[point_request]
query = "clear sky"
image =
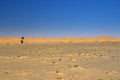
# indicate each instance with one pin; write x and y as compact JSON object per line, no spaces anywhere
{"x":59,"y":18}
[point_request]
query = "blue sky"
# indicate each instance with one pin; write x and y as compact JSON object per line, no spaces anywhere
{"x":59,"y":18}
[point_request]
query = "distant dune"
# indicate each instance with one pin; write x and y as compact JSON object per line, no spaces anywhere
{"x":56,"y":40}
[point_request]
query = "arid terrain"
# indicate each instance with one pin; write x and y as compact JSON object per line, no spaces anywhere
{"x":60,"y":59}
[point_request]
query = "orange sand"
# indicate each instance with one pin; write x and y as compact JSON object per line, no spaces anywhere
{"x":57,"y":40}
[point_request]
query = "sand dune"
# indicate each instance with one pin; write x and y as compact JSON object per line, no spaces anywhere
{"x":38,"y":40}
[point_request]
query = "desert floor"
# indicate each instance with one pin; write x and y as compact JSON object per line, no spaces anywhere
{"x":60,"y":61}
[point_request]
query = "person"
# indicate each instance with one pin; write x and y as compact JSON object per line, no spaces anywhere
{"x":22,"y":40}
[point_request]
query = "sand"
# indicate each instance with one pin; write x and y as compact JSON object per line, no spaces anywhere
{"x":57,"y":40}
{"x":70,"y":60}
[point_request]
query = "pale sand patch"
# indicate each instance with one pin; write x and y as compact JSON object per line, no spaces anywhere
{"x":78,"y":68}
{"x":13,"y":57}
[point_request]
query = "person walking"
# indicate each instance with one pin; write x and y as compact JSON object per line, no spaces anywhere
{"x":22,"y":40}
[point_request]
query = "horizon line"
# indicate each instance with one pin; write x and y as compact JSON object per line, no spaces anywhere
{"x":63,"y":37}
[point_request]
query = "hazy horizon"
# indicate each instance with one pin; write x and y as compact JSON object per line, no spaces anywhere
{"x":58,"y":36}
{"x":64,"y":18}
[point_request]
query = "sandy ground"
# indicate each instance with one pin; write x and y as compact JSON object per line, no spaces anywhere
{"x":60,"y":61}
{"x":58,"y":40}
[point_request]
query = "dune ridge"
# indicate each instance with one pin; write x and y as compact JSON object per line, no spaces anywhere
{"x":39,"y":40}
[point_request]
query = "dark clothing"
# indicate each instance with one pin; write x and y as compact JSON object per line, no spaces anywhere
{"x":21,"y":41}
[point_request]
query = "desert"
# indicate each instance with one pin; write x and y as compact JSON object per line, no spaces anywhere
{"x":60,"y":59}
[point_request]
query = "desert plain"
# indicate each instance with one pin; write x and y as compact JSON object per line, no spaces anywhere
{"x":60,"y":59}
